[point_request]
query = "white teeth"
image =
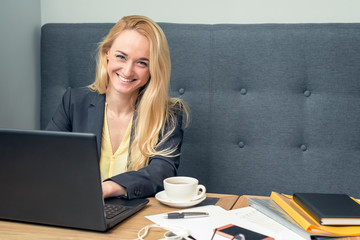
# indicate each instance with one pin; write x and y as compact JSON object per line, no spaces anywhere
{"x":124,"y":79}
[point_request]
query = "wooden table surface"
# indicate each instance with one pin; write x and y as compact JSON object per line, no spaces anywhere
{"x":125,"y":230}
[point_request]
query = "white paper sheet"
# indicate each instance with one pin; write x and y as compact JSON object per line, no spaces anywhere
{"x":200,"y":228}
{"x":203,"y":228}
{"x":258,"y":222}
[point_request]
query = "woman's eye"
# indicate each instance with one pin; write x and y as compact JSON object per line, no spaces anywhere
{"x":143,"y":64}
{"x":120,"y":57}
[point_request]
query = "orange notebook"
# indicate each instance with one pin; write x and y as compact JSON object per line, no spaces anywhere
{"x":307,"y":222}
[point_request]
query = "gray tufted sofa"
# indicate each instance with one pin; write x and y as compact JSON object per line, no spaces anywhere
{"x":275,"y":107}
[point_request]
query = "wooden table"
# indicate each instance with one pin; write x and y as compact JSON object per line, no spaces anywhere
{"x":242,"y":202}
{"x":125,"y":230}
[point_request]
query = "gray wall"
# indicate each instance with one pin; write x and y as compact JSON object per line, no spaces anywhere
{"x":20,"y":22}
{"x":203,"y":11}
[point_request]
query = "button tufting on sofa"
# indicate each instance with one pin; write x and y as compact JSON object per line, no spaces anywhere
{"x":303,"y":147}
{"x":181,"y":91}
{"x":243,"y":91}
{"x":307,"y":93}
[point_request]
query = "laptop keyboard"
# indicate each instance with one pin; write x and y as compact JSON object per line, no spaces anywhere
{"x":112,"y":210}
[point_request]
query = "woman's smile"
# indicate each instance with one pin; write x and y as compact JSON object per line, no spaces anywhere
{"x":126,"y":80}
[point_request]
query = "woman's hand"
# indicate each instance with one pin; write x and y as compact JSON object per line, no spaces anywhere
{"x":112,"y":189}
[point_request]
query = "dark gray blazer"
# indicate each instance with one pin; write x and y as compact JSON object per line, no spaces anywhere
{"x":82,"y":110}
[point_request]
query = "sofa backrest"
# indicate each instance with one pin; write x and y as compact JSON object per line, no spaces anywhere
{"x":275,"y":107}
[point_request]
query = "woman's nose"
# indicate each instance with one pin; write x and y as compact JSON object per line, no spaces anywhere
{"x":128,"y":69}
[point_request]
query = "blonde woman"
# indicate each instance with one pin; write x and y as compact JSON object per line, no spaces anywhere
{"x":138,"y":126}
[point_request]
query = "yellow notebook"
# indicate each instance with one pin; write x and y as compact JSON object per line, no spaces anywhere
{"x":307,"y":222}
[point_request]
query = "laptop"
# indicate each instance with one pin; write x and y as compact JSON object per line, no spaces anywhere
{"x":53,"y":178}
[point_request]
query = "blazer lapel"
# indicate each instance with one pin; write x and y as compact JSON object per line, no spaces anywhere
{"x":96,"y":118}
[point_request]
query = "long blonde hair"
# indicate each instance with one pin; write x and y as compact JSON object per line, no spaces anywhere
{"x":154,"y":108}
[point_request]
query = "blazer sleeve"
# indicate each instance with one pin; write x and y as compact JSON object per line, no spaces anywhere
{"x":61,"y":120}
{"x":149,"y":180}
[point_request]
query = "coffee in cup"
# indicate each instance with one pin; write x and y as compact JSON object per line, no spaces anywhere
{"x":183,"y":189}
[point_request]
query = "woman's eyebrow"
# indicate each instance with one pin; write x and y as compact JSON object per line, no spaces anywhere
{"x":142,"y":59}
{"x":121,"y":52}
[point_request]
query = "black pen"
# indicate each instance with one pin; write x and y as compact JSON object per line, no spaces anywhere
{"x":177,"y":215}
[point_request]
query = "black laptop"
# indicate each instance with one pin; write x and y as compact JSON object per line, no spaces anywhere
{"x":54,"y":178}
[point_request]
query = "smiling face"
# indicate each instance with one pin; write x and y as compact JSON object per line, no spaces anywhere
{"x":128,"y":63}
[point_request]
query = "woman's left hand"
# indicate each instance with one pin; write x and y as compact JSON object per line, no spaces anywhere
{"x":112,"y":189}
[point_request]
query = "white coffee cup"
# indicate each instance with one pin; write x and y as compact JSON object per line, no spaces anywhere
{"x":183,"y":189}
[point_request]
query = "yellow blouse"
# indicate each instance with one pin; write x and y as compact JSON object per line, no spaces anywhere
{"x":113,"y":164}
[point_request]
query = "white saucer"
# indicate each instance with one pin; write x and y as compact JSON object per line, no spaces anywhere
{"x":163,"y":198}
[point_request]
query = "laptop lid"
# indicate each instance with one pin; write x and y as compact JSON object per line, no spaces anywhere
{"x":53,"y":178}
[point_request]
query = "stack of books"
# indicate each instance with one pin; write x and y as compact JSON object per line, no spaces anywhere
{"x":313,"y":214}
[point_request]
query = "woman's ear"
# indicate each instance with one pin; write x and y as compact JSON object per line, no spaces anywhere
{"x":108,"y":55}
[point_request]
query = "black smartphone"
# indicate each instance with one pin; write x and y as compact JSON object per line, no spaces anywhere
{"x":232,"y":231}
